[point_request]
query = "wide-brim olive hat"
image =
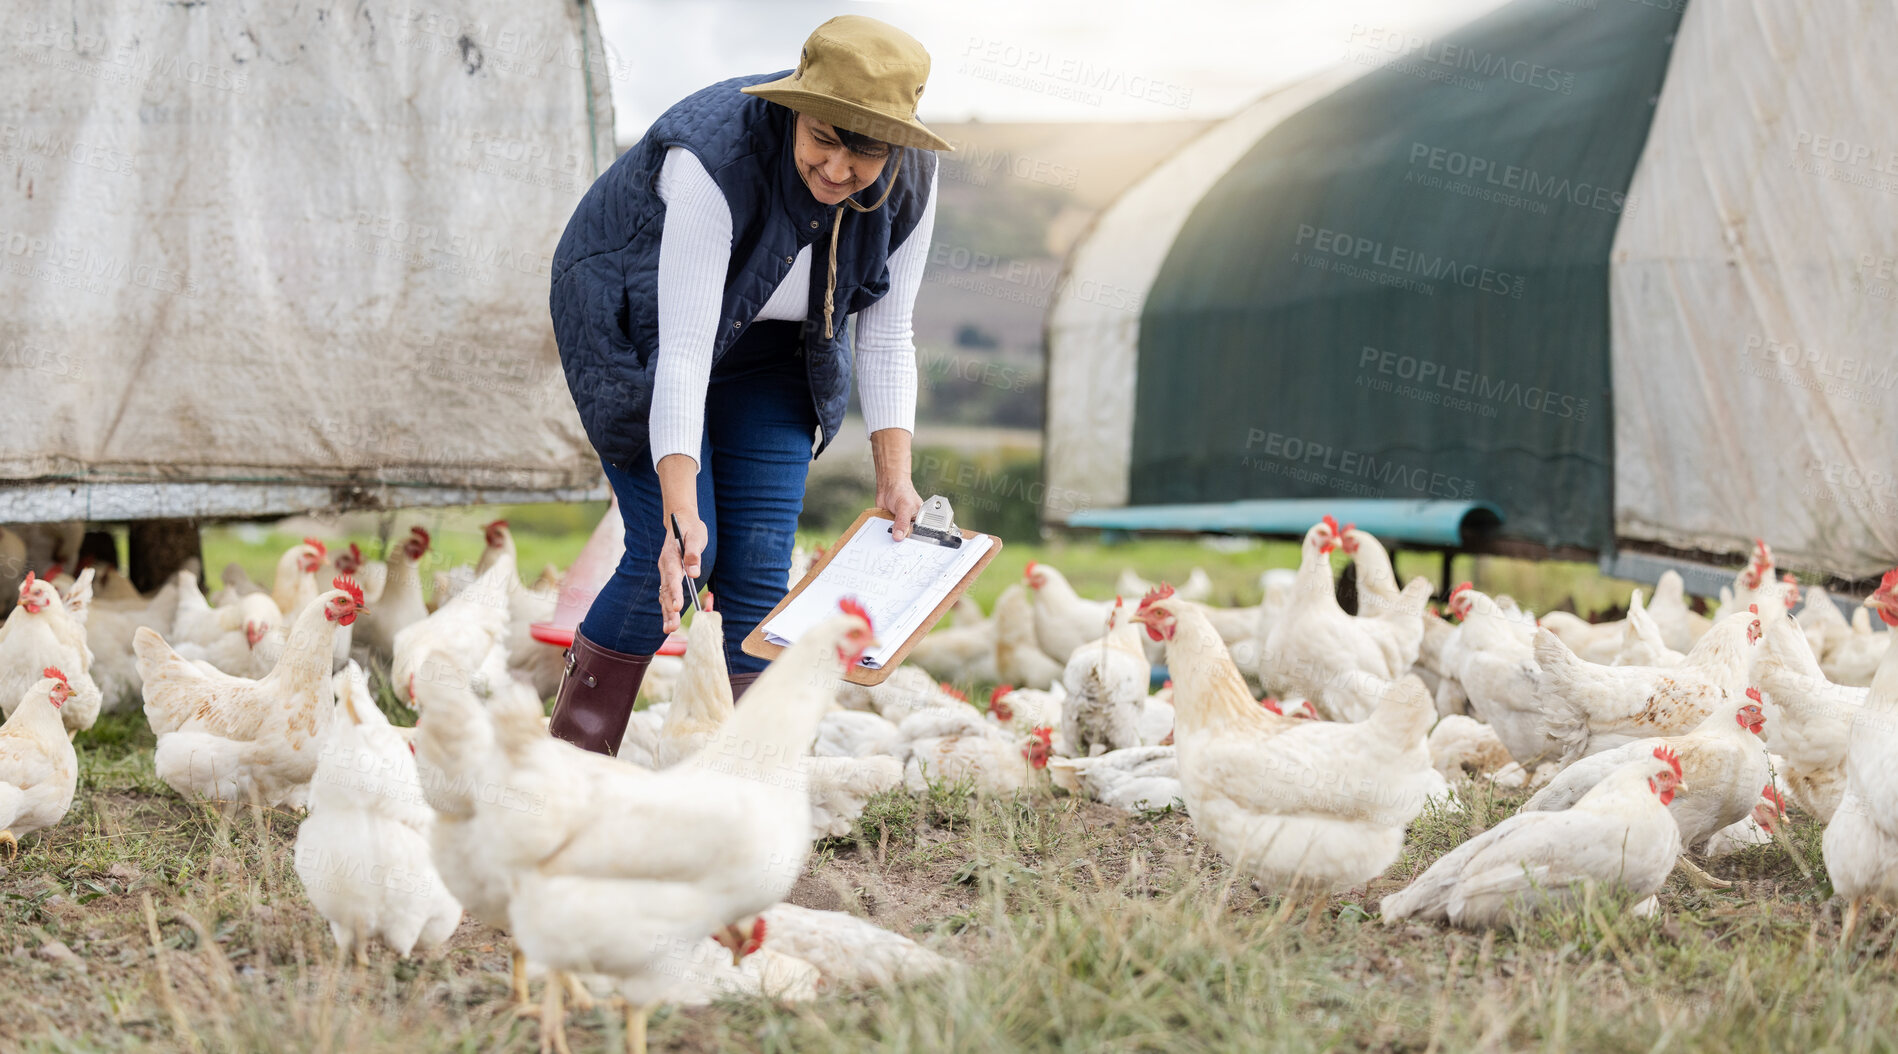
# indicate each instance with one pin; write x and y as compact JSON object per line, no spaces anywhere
{"x":860,"y":75}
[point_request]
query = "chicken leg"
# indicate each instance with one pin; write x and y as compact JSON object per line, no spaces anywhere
{"x":522,"y":1000}
{"x":577,"y":992}
{"x":1315,"y":921}
{"x":553,"y":1018}
{"x":636,"y":1028}
{"x":12,"y":845}
{"x":1852,"y":909}
{"x":1698,"y":878}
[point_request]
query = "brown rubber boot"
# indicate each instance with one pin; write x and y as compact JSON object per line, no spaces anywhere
{"x":740,"y":682}
{"x":596,"y":696}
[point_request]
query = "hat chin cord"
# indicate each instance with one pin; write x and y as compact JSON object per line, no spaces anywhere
{"x":830,"y":280}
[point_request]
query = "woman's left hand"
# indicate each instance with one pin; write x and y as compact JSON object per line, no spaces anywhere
{"x":889,"y":448}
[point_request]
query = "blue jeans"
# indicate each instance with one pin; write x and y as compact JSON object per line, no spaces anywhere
{"x":753,"y":460}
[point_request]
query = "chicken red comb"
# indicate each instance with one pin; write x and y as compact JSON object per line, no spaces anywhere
{"x":355,"y":553}
{"x":28,"y":583}
{"x":1168,"y":683}
{"x":1330,"y":521}
{"x":1754,"y":694}
{"x":1000,"y":690}
{"x":949,"y":689}
{"x":421,"y":533}
{"x":853,"y":606}
{"x":1462,"y":587}
{"x":1348,"y":528}
{"x":1889,"y":583}
{"x":1754,"y":608}
{"x":1043,"y":733}
{"x":1273,"y":705}
{"x":1029,"y":570}
{"x":503,"y":523}
{"x":1160,"y":592}
{"x":1673,"y":760}
{"x":348,"y":585}
{"x":321,"y":549}
{"x":1771,"y":793}
{"x":56,"y":674}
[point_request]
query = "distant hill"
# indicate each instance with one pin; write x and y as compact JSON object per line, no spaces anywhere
{"x":1013,"y":199}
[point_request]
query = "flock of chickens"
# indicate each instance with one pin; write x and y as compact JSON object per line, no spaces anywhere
{"x":1647,"y":741}
{"x":660,"y":875}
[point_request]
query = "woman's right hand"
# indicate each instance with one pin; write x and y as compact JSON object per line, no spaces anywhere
{"x":678,"y":491}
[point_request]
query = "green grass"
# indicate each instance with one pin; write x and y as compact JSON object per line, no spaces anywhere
{"x":1075,"y":929}
{"x":554,"y":534}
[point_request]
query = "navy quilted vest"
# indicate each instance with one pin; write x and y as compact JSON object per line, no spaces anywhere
{"x":604,"y":298}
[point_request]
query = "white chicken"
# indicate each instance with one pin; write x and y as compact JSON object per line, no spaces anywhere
{"x":855,"y":734}
{"x":1493,"y":661}
{"x":1307,"y":807}
{"x":626,"y":861}
{"x":1861,"y":842}
{"x":963,"y":652}
{"x":1020,"y":709}
{"x":463,"y":777}
{"x":1855,"y":660}
{"x":1198,"y":586}
{"x":956,"y":748}
{"x":362,"y":853}
{"x":848,"y":952}
{"x":1018,"y":655}
{"x":252,"y":647}
{"x":1722,"y":759}
{"x":225,"y":739}
{"x":1314,"y":640}
{"x":296,"y":583}
{"x":1105,"y":686}
{"x":703,"y":702}
{"x":1619,"y":835}
{"x":38,"y":769}
{"x":1590,"y":708}
{"x":1064,"y":620}
{"x":458,"y":637}
{"x":402,"y":604}
{"x":1461,"y":747}
{"x":1824,"y":625}
{"x":1757,"y":574}
{"x":1809,"y":718}
{"x":1765,"y":824}
{"x":1641,"y":641}
{"x":110,"y":626}
{"x":40,"y":633}
{"x":531,"y":661}
{"x":1681,"y":627}
{"x":909,"y":690}
{"x":1376,"y":579}
{"x":1134,"y":780}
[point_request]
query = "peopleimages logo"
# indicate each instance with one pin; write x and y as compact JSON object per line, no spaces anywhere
{"x":1398,"y":259}
{"x":1433,"y":382}
{"x":1481,"y":173}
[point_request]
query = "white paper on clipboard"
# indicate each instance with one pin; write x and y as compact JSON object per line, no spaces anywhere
{"x":899,"y":583}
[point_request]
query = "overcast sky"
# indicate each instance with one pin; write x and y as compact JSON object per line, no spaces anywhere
{"x":1022,"y":60}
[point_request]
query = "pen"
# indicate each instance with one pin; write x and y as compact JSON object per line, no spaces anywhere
{"x":678,"y":535}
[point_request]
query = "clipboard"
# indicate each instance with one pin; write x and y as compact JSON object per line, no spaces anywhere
{"x":935,"y":523}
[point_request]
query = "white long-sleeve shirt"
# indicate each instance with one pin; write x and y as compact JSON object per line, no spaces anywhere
{"x":694,"y":253}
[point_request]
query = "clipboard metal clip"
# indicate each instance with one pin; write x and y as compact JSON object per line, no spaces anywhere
{"x":936,"y":524}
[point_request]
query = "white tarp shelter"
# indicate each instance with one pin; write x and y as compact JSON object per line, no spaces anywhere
{"x":264,"y":256}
